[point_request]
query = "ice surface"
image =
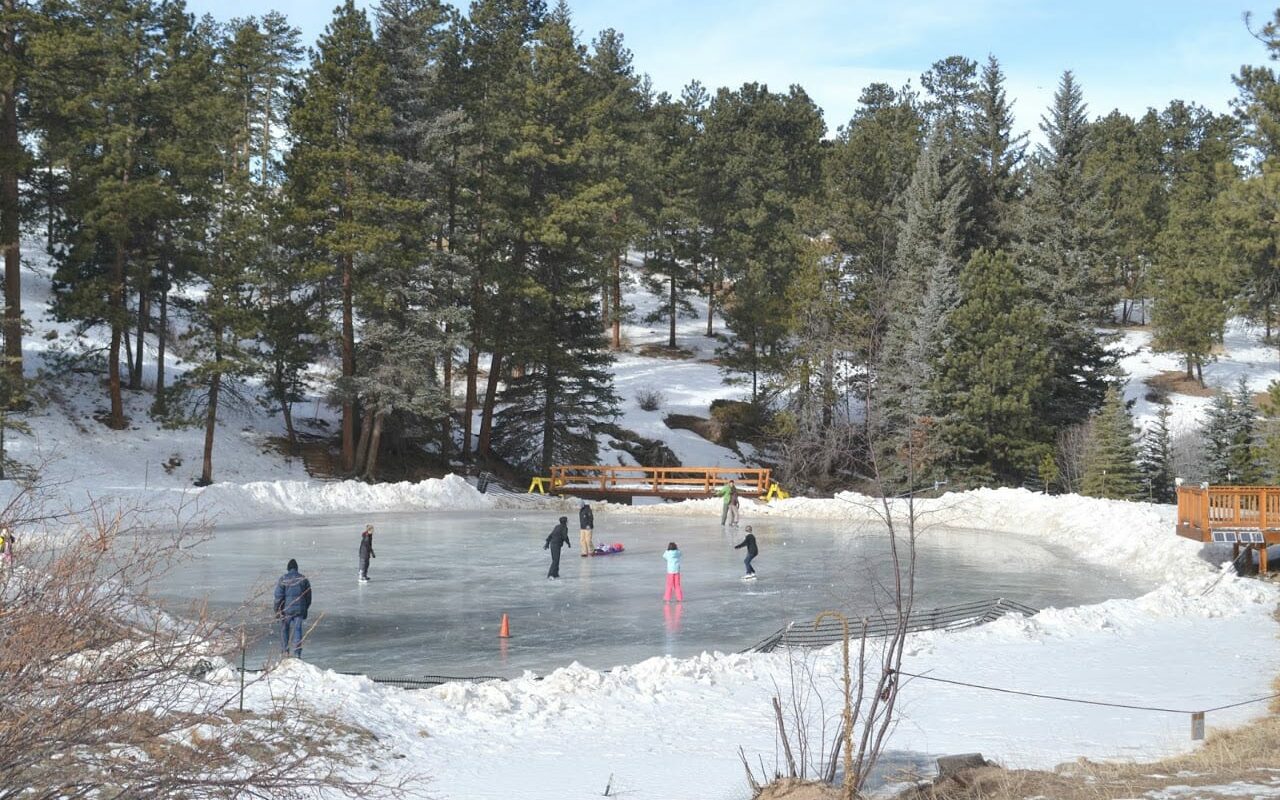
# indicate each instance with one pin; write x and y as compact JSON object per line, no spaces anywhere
{"x":442,"y":580}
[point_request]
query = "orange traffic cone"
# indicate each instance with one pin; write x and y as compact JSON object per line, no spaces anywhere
{"x":504,"y":632}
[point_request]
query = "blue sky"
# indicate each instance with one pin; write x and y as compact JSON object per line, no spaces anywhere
{"x":1127,"y":54}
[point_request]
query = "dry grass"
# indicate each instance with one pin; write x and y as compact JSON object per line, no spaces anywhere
{"x":663,"y":351}
{"x":1175,"y":381}
{"x":796,"y":789}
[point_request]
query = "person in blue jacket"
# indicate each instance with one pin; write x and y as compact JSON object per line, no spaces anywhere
{"x":293,"y":600}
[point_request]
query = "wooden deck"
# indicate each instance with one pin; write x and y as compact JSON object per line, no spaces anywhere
{"x":672,"y":483}
{"x":1243,"y":516}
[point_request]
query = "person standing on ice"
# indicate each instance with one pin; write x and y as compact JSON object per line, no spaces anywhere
{"x":366,"y":552}
{"x":672,"y":555}
{"x":733,"y":507}
{"x":293,"y":600}
{"x":586,"y":522}
{"x":7,"y":540}
{"x":752,"y":551}
{"x":558,"y":538}
{"x":727,"y":493}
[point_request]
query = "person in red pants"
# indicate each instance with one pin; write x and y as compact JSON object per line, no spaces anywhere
{"x":672,"y":555}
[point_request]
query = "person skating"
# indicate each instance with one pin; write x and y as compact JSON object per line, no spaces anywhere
{"x":727,"y":491}
{"x":734,"y":500}
{"x":558,"y":538}
{"x":366,"y":552}
{"x":672,"y":555}
{"x":7,"y":542}
{"x":752,"y":551}
{"x":293,"y":600}
{"x":586,"y":524}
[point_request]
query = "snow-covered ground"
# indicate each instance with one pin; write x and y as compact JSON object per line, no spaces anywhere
{"x":670,"y":728}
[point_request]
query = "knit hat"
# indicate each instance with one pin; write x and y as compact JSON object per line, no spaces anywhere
{"x":293,"y":564}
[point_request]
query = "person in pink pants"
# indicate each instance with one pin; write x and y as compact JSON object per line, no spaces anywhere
{"x":672,"y":555}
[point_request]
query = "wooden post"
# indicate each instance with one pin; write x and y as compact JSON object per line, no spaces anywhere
{"x":1262,"y":558}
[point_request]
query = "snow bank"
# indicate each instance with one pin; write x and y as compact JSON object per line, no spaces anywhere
{"x":248,"y":501}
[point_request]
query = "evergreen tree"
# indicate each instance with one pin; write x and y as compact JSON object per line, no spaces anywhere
{"x":993,"y":381}
{"x":1242,"y":461}
{"x":1111,"y":457}
{"x":1218,"y":435}
{"x":667,"y":204}
{"x":1063,"y":225}
{"x":551,"y":409}
{"x":337,"y":173}
{"x":1156,"y":458}
{"x":997,"y":186}
{"x":496,"y":52}
{"x":1124,"y":158}
{"x":761,"y":159}
{"x":1193,"y":286}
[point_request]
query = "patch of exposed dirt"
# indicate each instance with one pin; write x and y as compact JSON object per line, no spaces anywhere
{"x":795,"y":789}
{"x":1176,"y":382}
{"x":652,"y":350}
{"x":708,"y":429}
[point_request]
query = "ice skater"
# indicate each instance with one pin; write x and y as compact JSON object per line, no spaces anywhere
{"x":366,"y":552}
{"x":727,"y":493}
{"x":586,"y":524}
{"x":752,"y":551}
{"x":7,"y":541}
{"x":672,"y":555}
{"x":558,"y":538}
{"x":733,"y":507}
{"x":293,"y":600}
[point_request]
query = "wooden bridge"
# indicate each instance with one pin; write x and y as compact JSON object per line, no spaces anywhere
{"x":673,"y":483}
{"x":1242,"y":516}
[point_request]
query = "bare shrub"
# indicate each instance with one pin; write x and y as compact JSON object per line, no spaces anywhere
{"x":103,"y":691}
{"x":1072,"y":445}
{"x":650,"y":399}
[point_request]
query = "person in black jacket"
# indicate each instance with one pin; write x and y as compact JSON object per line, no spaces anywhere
{"x":558,"y":538}
{"x":752,"y":552}
{"x":586,"y":522}
{"x":366,"y":552}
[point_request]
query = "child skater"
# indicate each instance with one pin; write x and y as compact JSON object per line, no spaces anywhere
{"x":752,"y":551}
{"x":672,"y":555}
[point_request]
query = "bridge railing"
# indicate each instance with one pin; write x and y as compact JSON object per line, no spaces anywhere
{"x":694,"y":480}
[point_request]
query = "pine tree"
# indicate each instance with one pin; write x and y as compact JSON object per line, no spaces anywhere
{"x":1111,"y":457}
{"x":337,"y":173}
{"x":1193,"y":283}
{"x":992,"y":382}
{"x":1063,"y":225}
{"x":1218,"y":435}
{"x":1124,"y":158}
{"x":1156,"y":458}
{"x":551,"y":409}
{"x":761,"y":159}
{"x":997,"y":184}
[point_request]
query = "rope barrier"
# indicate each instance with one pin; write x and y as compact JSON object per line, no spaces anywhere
{"x":1079,"y":700}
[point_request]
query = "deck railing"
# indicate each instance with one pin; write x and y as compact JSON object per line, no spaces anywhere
{"x":1204,"y":509}
{"x":664,"y":480}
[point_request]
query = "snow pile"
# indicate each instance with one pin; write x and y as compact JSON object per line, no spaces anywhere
{"x":262,"y":499}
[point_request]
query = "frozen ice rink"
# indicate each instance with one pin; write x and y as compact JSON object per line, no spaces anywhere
{"x":442,"y":580}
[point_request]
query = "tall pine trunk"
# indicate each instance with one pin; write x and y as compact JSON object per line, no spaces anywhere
{"x":366,"y":429}
{"x":116,"y":304}
{"x":144,"y":312}
{"x":490,"y":399}
{"x":548,"y":420}
{"x":162,"y":335}
{"x":617,"y":301}
{"x":286,"y":407}
{"x":671,"y":340}
{"x":348,"y":367}
{"x":711,"y":299}
{"x":10,"y":152}
{"x":375,"y":441}
{"x":446,"y":424}
{"x":469,"y":404}
{"x":211,"y":417}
